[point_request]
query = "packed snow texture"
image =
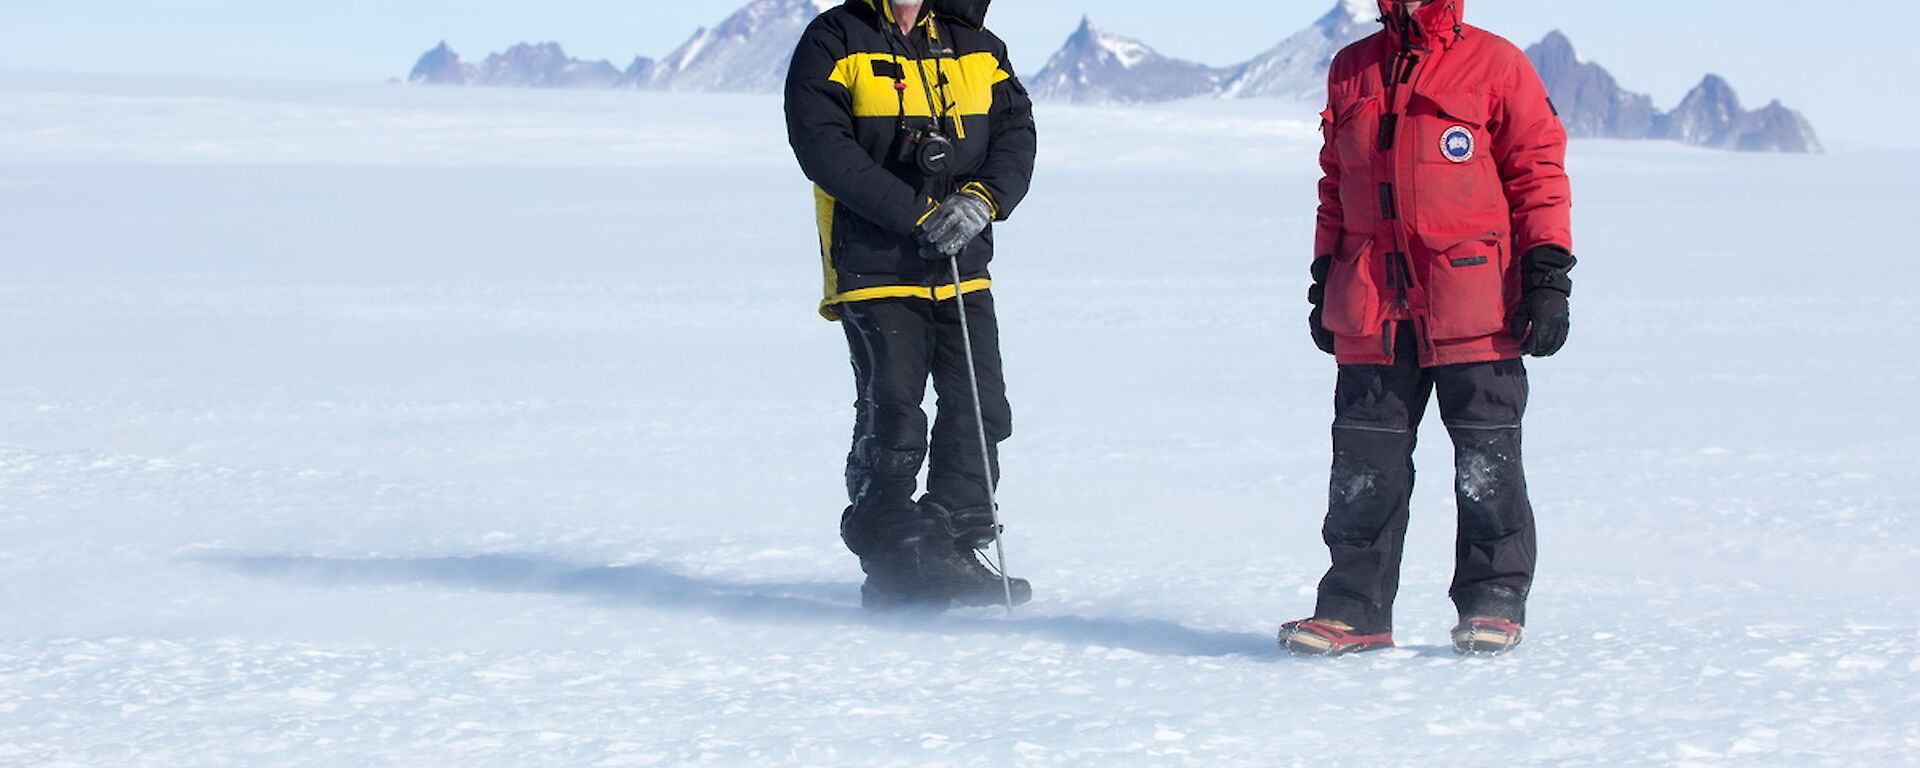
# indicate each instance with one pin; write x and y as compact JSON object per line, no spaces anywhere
{"x":395,"y":426}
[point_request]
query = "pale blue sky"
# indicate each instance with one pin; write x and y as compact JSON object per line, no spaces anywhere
{"x":1837,"y":64}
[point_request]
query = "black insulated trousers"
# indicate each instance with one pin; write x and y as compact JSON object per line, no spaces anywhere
{"x":896,"y":345}
{"x":1377,"y":413}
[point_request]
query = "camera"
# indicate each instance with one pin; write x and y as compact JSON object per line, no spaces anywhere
{"x":928,"y":148}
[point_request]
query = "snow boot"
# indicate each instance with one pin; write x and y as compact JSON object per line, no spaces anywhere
{"x":954,"y":561}
{"x":1485,"y":636}
{"x":896,"y":582}
{"x":1327,"y":637}
{"x":889,"y":547}
{"x":968,"y":580}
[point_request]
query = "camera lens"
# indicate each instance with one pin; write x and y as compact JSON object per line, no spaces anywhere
{"x":936,"y":153}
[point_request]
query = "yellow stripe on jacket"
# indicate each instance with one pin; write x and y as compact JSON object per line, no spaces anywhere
{"x":970,"y":82}
{"x":930,"y":293}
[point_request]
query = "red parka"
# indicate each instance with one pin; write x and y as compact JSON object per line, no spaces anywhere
{"x":1444,"y":165}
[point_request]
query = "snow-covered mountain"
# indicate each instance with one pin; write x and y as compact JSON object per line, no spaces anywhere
{"x":1098,"y":67}
{"x":441,"y":66}
{"x":1711,"y":116}
{"x":640,"y":71}
{"x":545,"y":65}
{"x":1593,"y":105}
{"x":1775,"y":128}
{"x":526,"y":65}
{"x":1297,"y":67}
{"x":748,"y":52}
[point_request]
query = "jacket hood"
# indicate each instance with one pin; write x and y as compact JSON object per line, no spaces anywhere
{"x":1443,"y":21}
{"x":972,"y":13}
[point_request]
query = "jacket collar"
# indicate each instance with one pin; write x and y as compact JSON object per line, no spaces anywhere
{"x":1439,"y":22}
{"x":972,"y":13}
{"x":885,"y":10}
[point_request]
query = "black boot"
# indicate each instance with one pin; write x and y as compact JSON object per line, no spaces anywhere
{"x":953,"y":560}
{"x":896,"y":582}
{"x":889,"y":547}
{"x":967,"y":580}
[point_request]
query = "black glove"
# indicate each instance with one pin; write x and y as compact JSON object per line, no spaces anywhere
{"x":1316,"y":294}
{"x":1542,"y":320}
{"x":957,"y":221}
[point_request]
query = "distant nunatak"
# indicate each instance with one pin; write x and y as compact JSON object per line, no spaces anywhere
{"x":748,"y":52}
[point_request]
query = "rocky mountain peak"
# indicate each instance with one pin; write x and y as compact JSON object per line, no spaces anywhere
{"x":1125,"y":52}
{"x":544,"y":65}
{"x":746,"y":52}
{"x":1591,"y":103}
{"x":440,"y":66}
{"x":1553,"y":56}
{"x":1711,"y":116}
{"x":1095,"y":66}
{"x":1774,"y":128}
{"x":1297,"y":67}
{"x":749,"y":50}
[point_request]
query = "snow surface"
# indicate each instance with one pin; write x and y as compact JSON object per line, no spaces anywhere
{"x":1128,"y":52}
{"x":367,"y":425}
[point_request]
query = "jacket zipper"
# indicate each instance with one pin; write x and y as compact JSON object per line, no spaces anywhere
{"x":1399,"y":267}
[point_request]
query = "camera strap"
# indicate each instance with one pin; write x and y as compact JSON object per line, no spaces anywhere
{"x":939,"y":110}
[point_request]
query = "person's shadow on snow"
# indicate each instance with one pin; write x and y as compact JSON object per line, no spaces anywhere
{"x":655,"y":586}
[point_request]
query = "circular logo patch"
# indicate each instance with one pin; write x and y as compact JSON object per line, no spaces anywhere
{"x":1457,"y":144}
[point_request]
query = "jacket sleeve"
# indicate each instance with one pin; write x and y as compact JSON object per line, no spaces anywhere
{"x":1530,"y":145}
{"x":820,"y":129}
{"x":1007,"y":172}
{"x":1327,"y":219}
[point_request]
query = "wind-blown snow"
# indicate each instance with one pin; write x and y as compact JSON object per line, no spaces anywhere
{"x":364,"y":425}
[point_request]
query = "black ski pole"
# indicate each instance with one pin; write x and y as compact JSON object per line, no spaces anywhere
{"x":980,"y":421}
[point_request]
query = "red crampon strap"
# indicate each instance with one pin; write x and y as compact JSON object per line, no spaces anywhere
{"x":1498,"y":625}
{"x":1339,"y":640}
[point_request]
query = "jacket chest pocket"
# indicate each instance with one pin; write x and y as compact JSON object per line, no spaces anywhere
{"x":1355,"y":131}
{"x":1451,"y":129}
{"x":1458,"y":176}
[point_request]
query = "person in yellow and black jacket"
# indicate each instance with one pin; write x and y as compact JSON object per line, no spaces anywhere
{"x":909,"y":120}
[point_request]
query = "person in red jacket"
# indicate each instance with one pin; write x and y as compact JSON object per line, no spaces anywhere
{"x":1442,"y":249}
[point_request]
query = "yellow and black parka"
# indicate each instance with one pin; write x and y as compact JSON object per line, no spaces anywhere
{"x":856,"y":89}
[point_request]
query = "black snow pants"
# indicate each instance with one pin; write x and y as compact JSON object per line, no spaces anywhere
{"x":1377,"y":412}
{"x":896,"y":344}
